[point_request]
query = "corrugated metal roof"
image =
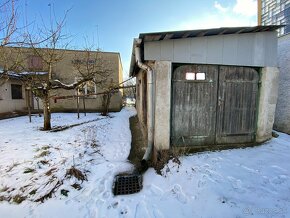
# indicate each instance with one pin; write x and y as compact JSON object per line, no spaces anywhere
{"x":157,"y":36}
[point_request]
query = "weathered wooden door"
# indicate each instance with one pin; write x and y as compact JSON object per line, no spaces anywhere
{"x":237,"y":105}
{"x":194,"y":99}
{"x":213,"y":105}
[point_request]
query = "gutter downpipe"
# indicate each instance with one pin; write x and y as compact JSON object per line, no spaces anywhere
{"x":150,"y":111}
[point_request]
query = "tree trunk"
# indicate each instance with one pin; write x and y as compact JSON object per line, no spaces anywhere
{"x":106,"y":103}
{"x":46,"y":112}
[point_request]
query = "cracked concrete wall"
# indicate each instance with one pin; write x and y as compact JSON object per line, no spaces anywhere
{"x":282,"y":117}
{"x":267,"y":102}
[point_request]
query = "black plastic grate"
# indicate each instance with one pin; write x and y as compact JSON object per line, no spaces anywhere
{"x":127,"y":184}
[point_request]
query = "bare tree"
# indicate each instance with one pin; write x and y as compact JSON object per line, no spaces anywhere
{"x":7,"y":22}
{"x":50,"y":46}
{"x":92,"y":65}
{"x":89,"y":67}
{"x":11,"y":60}
{"x":131,"y":91}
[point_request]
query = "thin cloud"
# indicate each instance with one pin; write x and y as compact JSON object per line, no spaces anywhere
{"x":220,"y":8}
{"x":246,"y":7}
{"x":216,"y":21}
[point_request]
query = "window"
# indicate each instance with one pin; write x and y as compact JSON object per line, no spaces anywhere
{"x":90,"y":88}
{"x":200,"y":76}
{"x":35,"y":63}
{"x":190,"y":76}
{"x":16,"y":91}
{"x":194,"y":76}
{"x":87,"y":88}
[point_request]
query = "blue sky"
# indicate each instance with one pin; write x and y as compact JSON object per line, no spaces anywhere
{"x":114,"y":23}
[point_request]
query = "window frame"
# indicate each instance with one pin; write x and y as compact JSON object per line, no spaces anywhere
{"x":16,"y":91}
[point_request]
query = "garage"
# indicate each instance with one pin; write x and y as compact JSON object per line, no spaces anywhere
{"x":207,"y":88}
{"x":213,"y":104}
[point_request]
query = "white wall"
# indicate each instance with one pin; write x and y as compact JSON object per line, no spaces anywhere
{"x":248,"y":49}
{"x":7,"y":104}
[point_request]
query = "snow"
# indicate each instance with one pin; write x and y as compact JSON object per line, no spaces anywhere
{"x":251,"y":182}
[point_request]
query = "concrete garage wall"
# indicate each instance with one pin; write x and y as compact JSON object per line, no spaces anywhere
{"x":139,"y":98}
{"x":282,"y":117}
{"x":267,"y":102}
{"x":162,"y":104}
{"x":249,"y":49}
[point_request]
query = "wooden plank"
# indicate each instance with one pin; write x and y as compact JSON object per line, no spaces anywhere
{"x":193,"y":113}
{"x":236,"y":113}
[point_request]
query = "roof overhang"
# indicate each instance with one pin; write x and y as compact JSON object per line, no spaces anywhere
{"x":21,"y":75}
{"x":158,"y":36}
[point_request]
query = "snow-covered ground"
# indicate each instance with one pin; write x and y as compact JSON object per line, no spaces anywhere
{"x":253,"y":182}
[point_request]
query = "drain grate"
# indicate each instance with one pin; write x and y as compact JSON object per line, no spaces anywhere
{"x":127,"y":184}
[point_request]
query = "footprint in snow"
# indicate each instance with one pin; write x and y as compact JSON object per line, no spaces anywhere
{"x":278,"y":180}
{"x":101,"y":186}
{"x":110,"y":165}
{"x":106,"y":195}
{"x":237,"y":184}
{"x":142,"y":210}
{"x":124,"y":212}
{"x":157,"y":213}
{"x":201,"y":183}
{"x":155,"y":190}
{"x":176,"y":192}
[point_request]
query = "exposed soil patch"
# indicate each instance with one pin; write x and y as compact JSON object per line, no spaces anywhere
{"x":138,"y":144}
{"x":61,"y":128}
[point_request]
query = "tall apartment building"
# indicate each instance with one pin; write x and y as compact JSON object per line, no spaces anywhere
{"x":275,"y":12}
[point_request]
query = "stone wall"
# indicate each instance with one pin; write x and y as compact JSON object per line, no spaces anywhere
{"x":282,"y":117}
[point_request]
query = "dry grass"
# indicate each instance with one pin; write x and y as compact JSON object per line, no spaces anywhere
{"x":29,"y":170}
{"x":76,"y":173}
{"x":94,"y":144}
{"x":64,"y":192}
{"x":3,"y":198}
{"x":33,"y":192}
{"x":12,"y":166}
{"x":46,"y":147}
{"x":164,"y":156}
{"x":43,"y":154}
{"x":49,"y":172}
{"x":44,"y":162}
{"x":4,"y":189}
{"x":49,"y":194}
{"x":76,"y":186}
{"x":18,"y":199}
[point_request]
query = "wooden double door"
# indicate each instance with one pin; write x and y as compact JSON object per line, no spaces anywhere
{"x":213,"y":105}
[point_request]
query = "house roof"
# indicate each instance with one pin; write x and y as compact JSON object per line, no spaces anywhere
{"x":20,"y":76}
{"x":158,"y":36}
